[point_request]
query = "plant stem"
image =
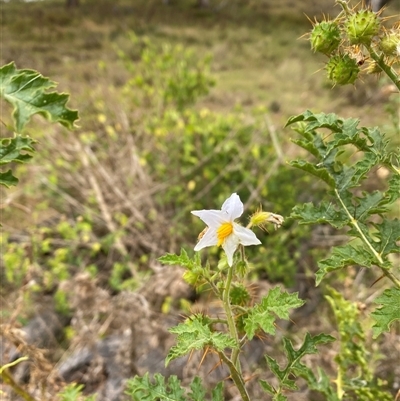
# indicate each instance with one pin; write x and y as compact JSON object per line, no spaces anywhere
{"x":345,"y":6}
{"x":229,"y":317}
{"x":236,"y":376}
{"x":7,"y":378}
{"x":387,"y":69}
{"x":378,"y":257}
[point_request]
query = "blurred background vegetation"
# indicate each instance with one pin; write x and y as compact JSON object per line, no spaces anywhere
{"x":179,"y":107}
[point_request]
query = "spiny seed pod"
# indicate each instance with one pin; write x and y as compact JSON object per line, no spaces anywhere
{"x":342,"y":69}
{"x":239,"y":295}
{"x":325,"y":37}
{"x":389,"y":43}
{"x":362,"y":26}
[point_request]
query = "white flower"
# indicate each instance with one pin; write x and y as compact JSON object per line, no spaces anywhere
{"x":222,"y":230}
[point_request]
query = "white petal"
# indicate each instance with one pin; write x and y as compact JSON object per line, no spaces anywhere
{"x":246,"y":236}
{"x":208,"y":239}
{"x":232,"y":207}
{"x":230,"y":245}
{"x":213,"y":218}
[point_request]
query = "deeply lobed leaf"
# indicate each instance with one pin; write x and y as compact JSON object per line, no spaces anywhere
{"x":294,"y":367}
{"x":17,"y":149}
{"x":263,"y":315}
{"x":161,"y":389}
{"x":26,"y":90}
{"x":8,"y":179}
{"x":195,"y":334}
{"x":323,"y":213}
{"x":388,"y":233}
{"x":388,"y":312}
{"x":343,"y":256}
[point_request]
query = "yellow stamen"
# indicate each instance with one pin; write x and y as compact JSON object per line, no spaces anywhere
{"x":224,"y":231}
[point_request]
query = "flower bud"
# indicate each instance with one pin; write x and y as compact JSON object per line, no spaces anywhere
{"x":342,"y":69}
{"x":260,"y":218}
{"x":362,"y":26}
{"x":325,"y":37}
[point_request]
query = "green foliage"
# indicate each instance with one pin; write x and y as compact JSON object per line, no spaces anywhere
{"x":166,"y":76}
{"x":26,"y":90}
{"x":344,"y":157}
{"x":194,"y":270}
{"x":196,"y":334}
{"x":294,"y":367}
{"x":17,"y":149}
{"x":363,"y":212}
{"x":275,"y":305}
{"x":73,"y":392}
{"x":160,"y":389}
{"x":200,"y":332}
{"x":388,"y":312}
{"x":352,"y":352}
{"x":356,"y":379}
{"x":16,"y":263}
{"x":52,"y":254}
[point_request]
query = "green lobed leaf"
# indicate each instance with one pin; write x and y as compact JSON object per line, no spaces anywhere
{"x":16,"y":149}
{"x":369,"y":140}
{"x":350,"y":177}
{"x":263,"y":315}
{"x":307,"y":144}
{"x":8,"y":179}
{"x":322,"y":384}
{"x":393,"y":191}
{"x":194,"y":273}
{"x":195,"y":334}
{"x":348,"y":134}
{"x":284,"y":381}
{"x":323,"y":213}
{"x":26,"y":90}
{"x":369,"y":204}
{"x":378,"y":142}
{"x":319,"y":120}
{"x":309,"y":346}
{"x":327,"y":150}
{"x":388,"y":233}
{"x":314,"y":170}
{"x":144,"y":389}
{"x":218,"y":392}
{"x":198,"y":392}
{"x":388,"y":312}
{"x":267,"y":387}
{"x":180,"y":260}
{"x":343,"y":256}
{"x":311,"y":141}
{"x":294,"y":367}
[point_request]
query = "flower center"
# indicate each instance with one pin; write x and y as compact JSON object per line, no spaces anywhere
{"x":224,"y":231}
